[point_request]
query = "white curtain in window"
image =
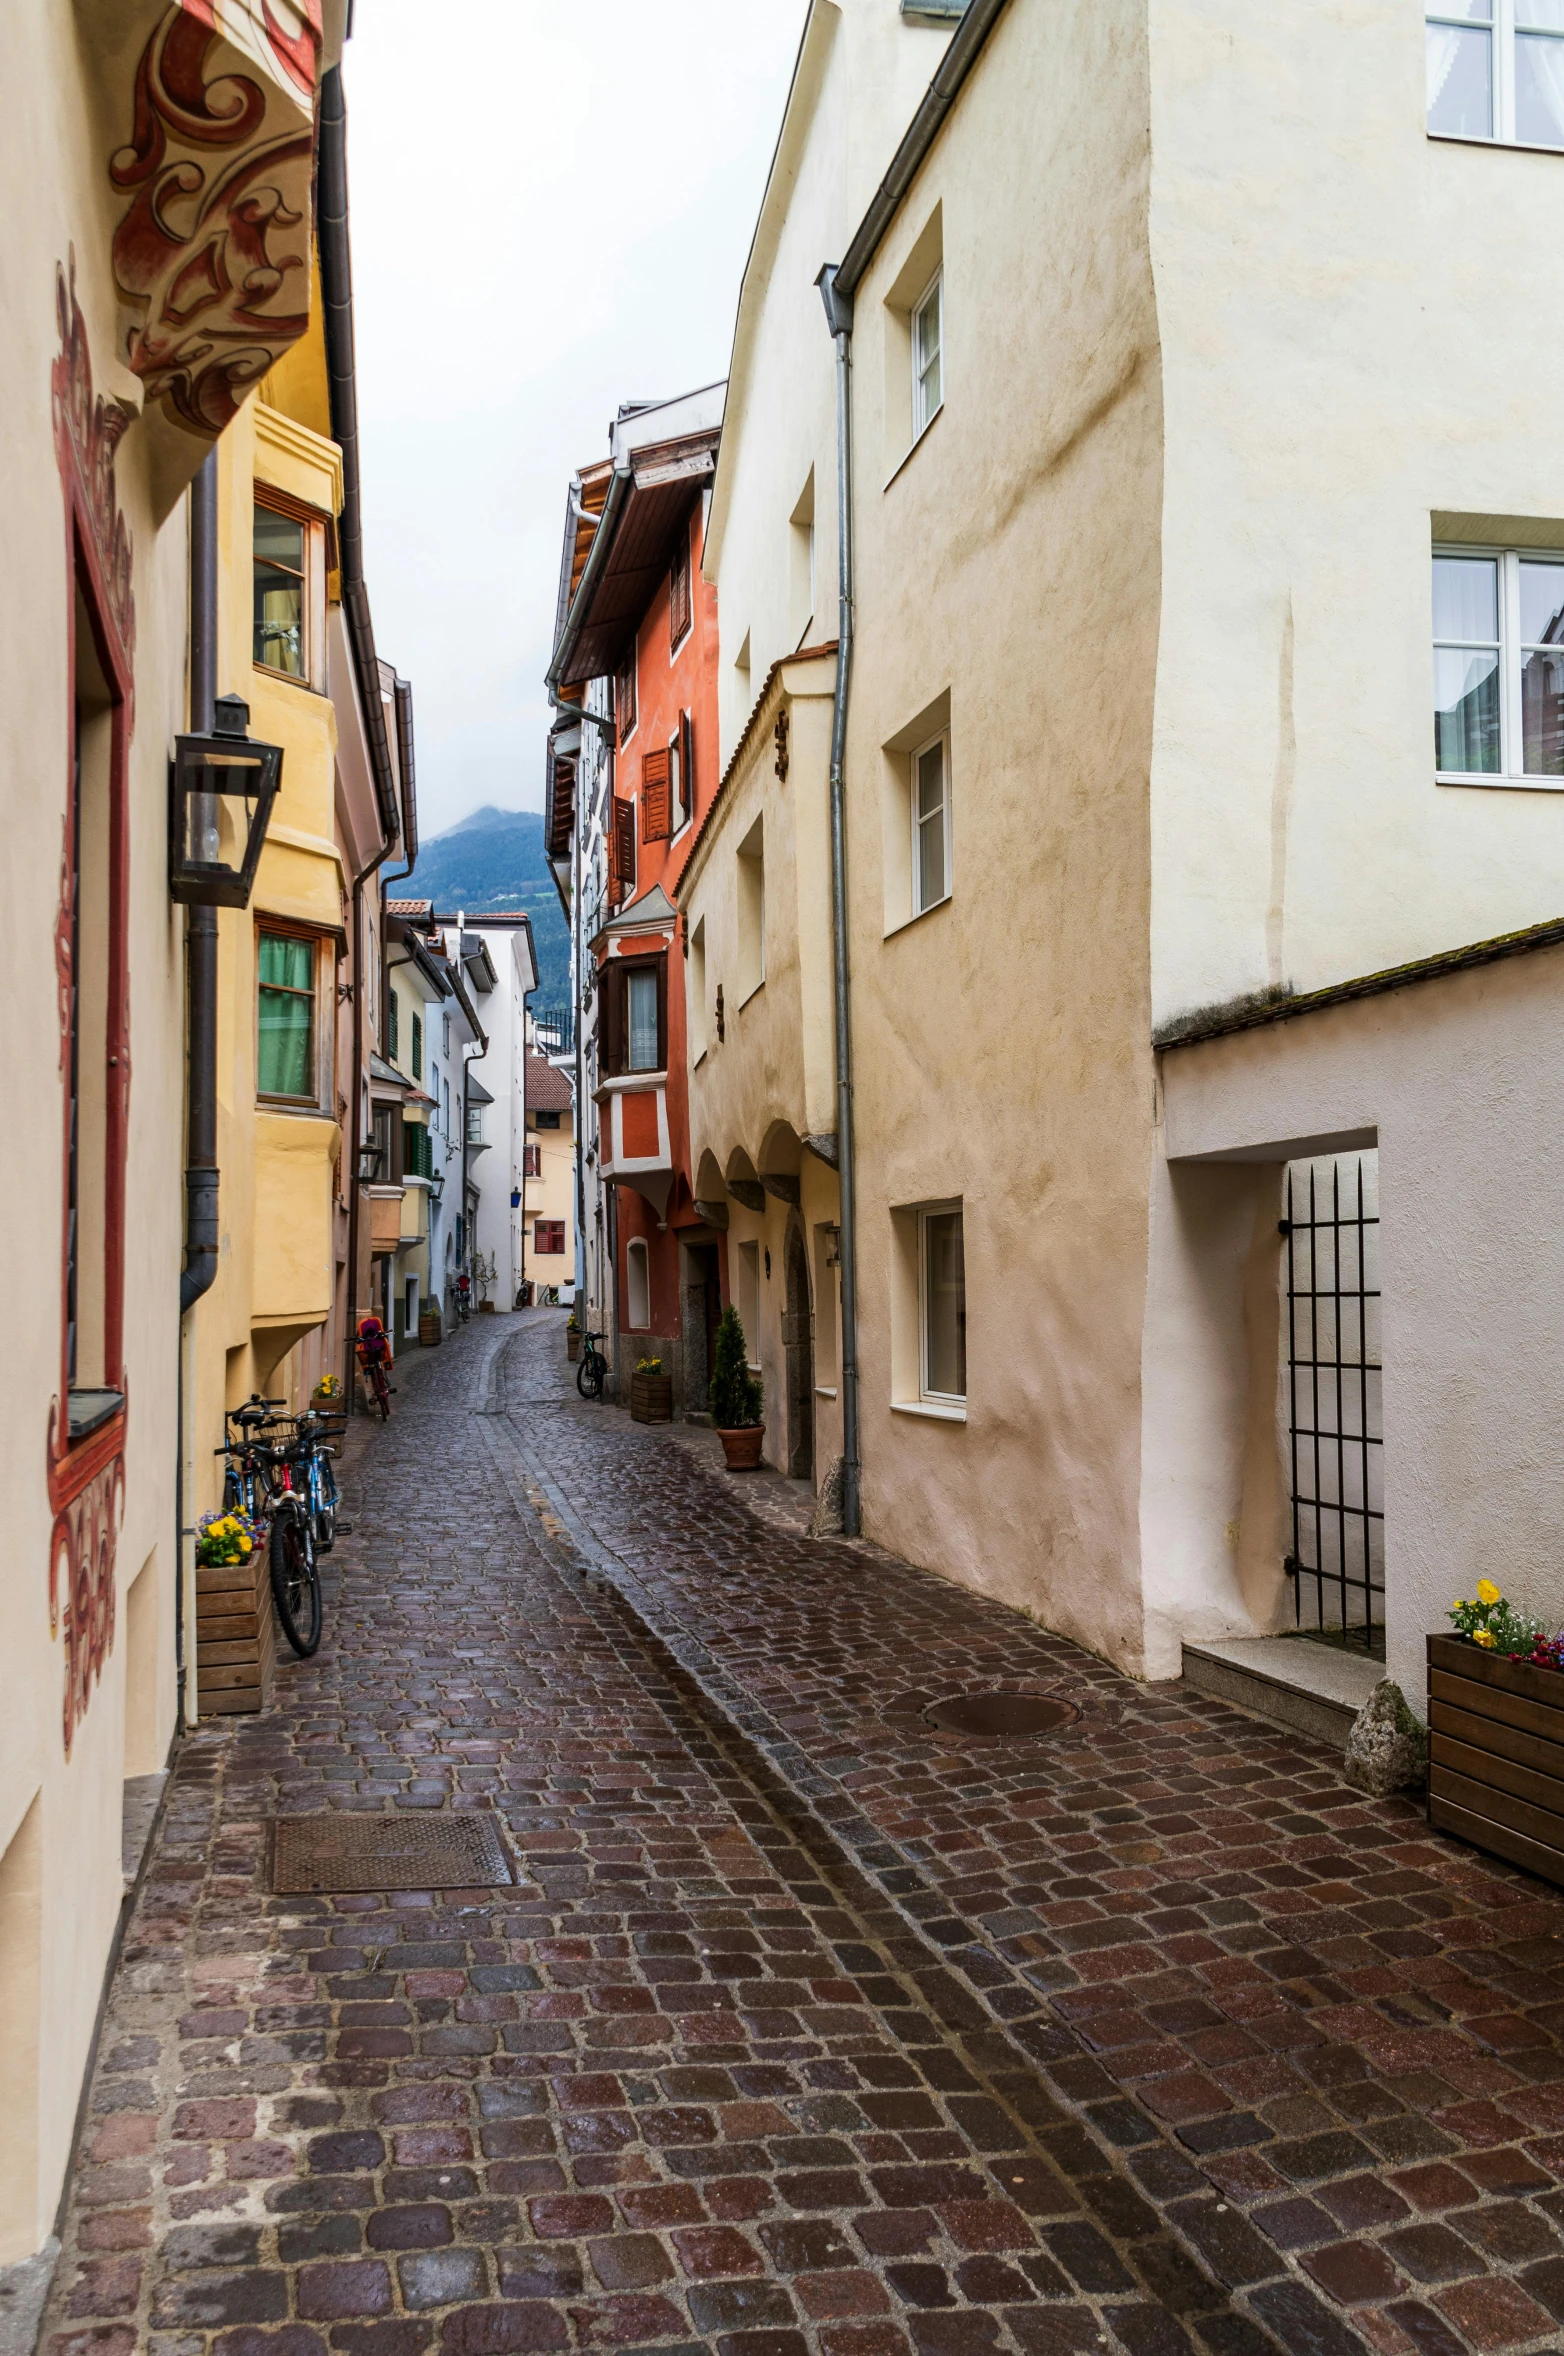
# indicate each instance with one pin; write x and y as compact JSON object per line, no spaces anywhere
{"x":1546,"y":62}
{"x":1444,"y":46}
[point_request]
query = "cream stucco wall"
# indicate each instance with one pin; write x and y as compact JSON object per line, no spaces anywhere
{"x":861,"y":71}
{"x":1471,"y":1194}
{"x":1348,"y":314}
{"x":60,"y":1875}
{"x":1008,"y":578}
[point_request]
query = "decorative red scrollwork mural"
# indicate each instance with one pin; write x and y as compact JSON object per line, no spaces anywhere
{"x":82,"y":1585}
{"x":87,"y":1477}
{"x":213,"y":250}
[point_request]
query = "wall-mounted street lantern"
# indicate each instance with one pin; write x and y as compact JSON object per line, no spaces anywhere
{"x":221,"y":791}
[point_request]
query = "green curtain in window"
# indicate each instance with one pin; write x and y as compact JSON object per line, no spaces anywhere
{"x":285,"y":1060}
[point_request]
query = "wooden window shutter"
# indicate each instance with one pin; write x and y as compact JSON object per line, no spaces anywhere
{"x":679,"y":588}
{"x":687,"y":764}
{"x":656,"y":797}
{"x":621,"y":847}
{"x":624,"y":694}
{"x":613,"y":1019}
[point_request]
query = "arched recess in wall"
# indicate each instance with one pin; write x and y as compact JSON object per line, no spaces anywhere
{"x":638,"y":1285}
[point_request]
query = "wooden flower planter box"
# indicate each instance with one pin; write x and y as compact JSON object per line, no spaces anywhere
{"x":1496,"y":1754}
{"x":431,"y":1330}
{"x":651,"y":1398}
{"x":234,"y":1631}
{"x":572,"y":1344}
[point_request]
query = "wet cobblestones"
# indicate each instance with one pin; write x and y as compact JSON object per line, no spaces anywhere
{"x":807,"y":2032}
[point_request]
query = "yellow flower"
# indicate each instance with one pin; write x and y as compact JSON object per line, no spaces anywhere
{"x":244,"y":1546}
{"x":1484,"y":1637}
{"x":1459,"y":1604}
{"x":1487,"y":1592}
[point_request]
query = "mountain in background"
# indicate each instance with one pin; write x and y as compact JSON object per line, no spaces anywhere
{"x":492,"y":864}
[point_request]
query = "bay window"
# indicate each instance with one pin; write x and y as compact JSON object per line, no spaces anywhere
{"x":1499,"y":666}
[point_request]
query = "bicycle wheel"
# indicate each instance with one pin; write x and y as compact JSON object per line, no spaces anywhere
{"x":589,"y":1374}
{"x":383,"y":1394}
{"x":233,"y":1496}
{"x":295,"y":1579}
{"x":326,"y":1510}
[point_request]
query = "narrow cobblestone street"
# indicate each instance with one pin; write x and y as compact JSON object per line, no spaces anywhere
{"x":806,"y":2028}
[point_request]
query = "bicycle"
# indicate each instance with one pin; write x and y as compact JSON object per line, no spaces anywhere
{"x":259,"y":1482}
{"x":373,"y":1352}
{"x":321,"y":1489}
{"x":591,"y":1367}
{"x":463,"y":1300}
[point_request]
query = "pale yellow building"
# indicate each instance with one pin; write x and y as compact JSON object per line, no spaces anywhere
{"x":547,"y":1210}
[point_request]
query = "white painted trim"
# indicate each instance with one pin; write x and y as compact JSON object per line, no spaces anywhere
{"x":933,"y":1409}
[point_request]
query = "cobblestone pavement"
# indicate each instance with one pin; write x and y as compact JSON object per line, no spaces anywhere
{"x":806,"y":2031}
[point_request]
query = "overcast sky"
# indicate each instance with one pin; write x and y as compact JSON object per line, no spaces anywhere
{"x":551,"y":211}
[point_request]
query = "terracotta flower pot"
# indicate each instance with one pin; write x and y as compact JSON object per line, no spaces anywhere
{"x":572,"y":1346}
{"x":742,"y":1447}
{"x":651,"y":1398}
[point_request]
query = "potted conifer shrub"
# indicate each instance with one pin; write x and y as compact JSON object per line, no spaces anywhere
{"x":735,"y":1397}
{"x":651,"y":1392}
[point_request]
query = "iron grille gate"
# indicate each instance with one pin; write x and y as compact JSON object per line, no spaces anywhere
{"x":1335,"y":1399}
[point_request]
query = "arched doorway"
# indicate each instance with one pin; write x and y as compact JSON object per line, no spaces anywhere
{"x":798,"y":1334}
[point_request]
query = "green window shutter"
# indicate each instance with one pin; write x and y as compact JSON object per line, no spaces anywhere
{"x":285,"y":1029}
{"x":418,"y":1049}
{"x":393,"y":1027}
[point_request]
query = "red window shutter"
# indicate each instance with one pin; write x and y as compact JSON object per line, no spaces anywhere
{"x":656,"y":798}
{"x":624,"y":695}
{"x":621,"y":851}
{"x":687,"y":764}
{"x":679,"y":588}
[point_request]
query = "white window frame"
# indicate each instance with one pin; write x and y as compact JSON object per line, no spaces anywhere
{"x":926,"y":1212}
{"x":638,"y":1276}
{"x":922,"y":419}
{"x":1502,"y":28}
{"x":1509,"y":775}
{"x":920,"y":906}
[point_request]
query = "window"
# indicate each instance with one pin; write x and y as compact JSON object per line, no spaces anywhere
{"x":546,"y":1120}
{"x":697,"y":1020}
{"x":748,"y":1302}
{"x":679,"y":591}
{"x":548,"y":1236}
{"x":751,"y":888}
{"x":638,"y":1285}
{"x":532,"y":1161}
{"x":446,"y":1101}
{"x":624,"y":696}
{"x":385,"y":1169}
{"x":942,"y":1307}
{"x":928,"y":324}
{"x":641,"y":1002}
{"x":1498,"y":666}
{"x":930,"y":802}
{"x":801,"y":563}
{"x":475,"y":1124}
{"x":417,"y":1150}
{"x":445,"y":1034}
{"x":279,"y":592}
{"x":418,"y":1047}
{"x":1496,"y":71}
{"x":635,"y":1015}
{"x":285,"y":1043}
{"x":684,"y":772}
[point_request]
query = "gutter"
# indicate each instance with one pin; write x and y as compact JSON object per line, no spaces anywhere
{"x":839,"y":318}
{"x":959,"y":59}
{"x":597,"y":557}
{"x":336,"y":281}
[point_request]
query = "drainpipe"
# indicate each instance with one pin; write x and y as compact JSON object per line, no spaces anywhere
{"x":201,"y":1175}
{"x":839,"y":315}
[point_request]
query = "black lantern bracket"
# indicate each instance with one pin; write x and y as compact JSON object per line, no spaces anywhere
{"x":221,"y":789}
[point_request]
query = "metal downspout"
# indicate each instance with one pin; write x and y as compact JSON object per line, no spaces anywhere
{"x":839,"y":315}
{"x":201,"y":1173}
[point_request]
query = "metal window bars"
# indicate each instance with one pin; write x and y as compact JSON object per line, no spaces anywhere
{"x":1335,"y":1399}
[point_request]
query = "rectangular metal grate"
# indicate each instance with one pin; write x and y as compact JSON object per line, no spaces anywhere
{"x":1335,"y":1383}
{"x":341,"y":1852}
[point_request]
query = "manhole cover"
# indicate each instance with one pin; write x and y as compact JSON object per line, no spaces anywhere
{"x":1000,"y":1713}
{"x":387,"y":1853}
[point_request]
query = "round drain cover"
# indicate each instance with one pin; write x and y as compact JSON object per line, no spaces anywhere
{"x":1000,"y":1713}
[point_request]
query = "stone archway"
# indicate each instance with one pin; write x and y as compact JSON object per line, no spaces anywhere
{"x":798,"y":1336}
